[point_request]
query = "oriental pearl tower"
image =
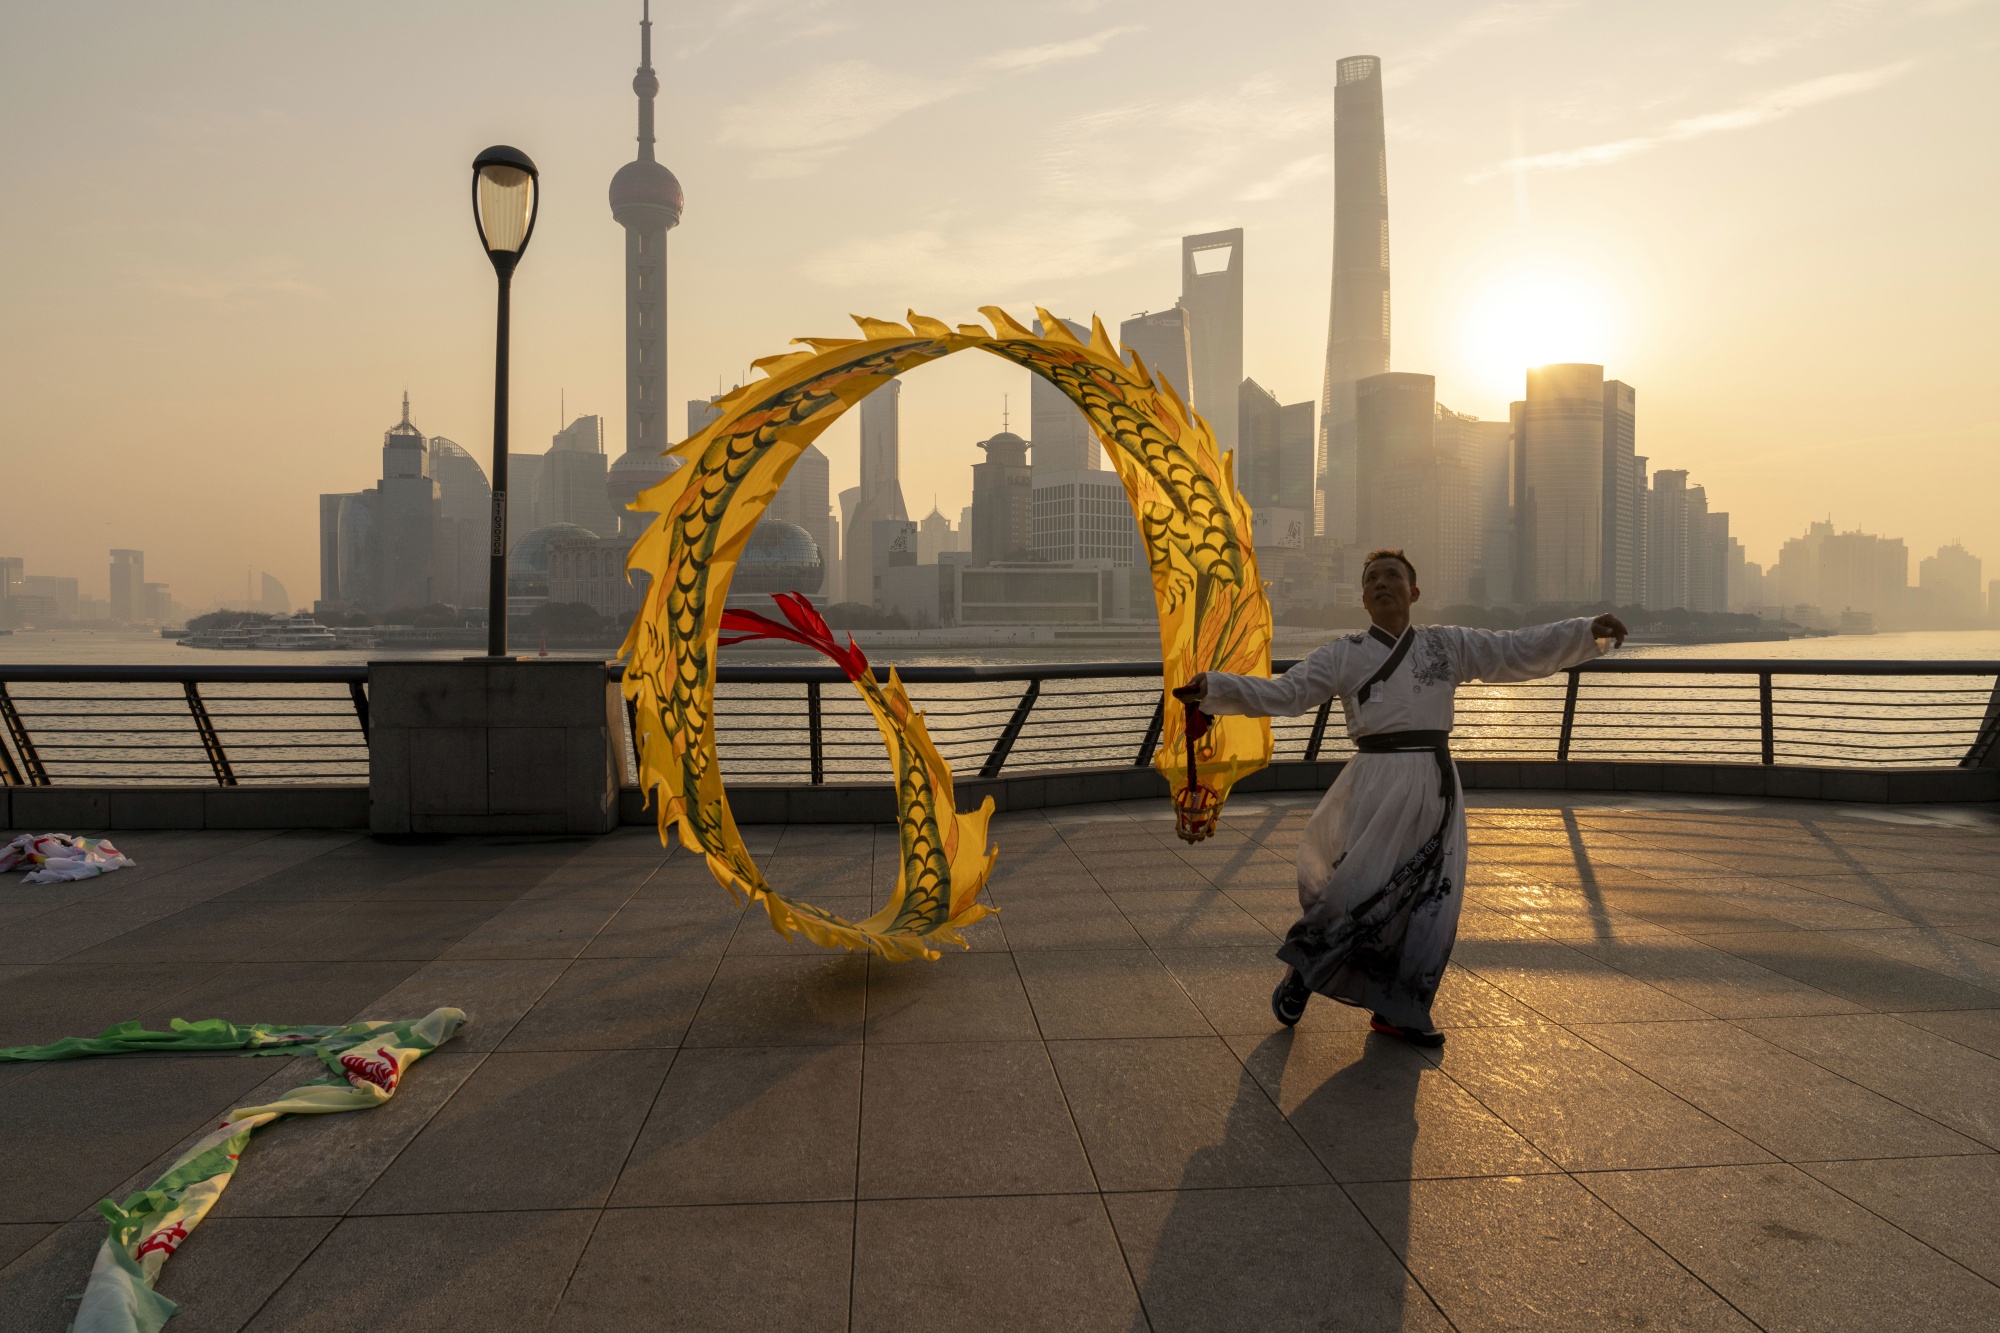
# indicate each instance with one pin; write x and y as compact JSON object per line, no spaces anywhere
{"x":646,"y":201}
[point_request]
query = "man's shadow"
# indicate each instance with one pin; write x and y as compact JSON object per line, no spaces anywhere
{"x":1307,"y":1256}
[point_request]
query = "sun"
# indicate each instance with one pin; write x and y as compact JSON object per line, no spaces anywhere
{"x":1532,"y":316}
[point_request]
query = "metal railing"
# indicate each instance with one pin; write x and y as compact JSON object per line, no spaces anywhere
{"x":782,"y":723}
{"x":804,"y":723}
{"x":226,"y":725}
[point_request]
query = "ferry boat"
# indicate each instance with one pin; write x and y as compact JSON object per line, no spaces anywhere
{"x":1856,"y":622}
{"x":300,"y":634}
{"x":220,"y":638}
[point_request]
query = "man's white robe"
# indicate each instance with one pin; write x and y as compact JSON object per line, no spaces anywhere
{"x":1385,"y":808}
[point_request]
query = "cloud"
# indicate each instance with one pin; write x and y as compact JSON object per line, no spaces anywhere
{"x":1799,"y":25}
{"x":1157,"y":151}
{"x":239,"y":288}
{"x":1774,"y":105}
{"x":1054,"y":53}
{"x":1473,"y":27}
{"x":1292,"y":173}
{"x":799,"y":124}
{"x":943,"y":262}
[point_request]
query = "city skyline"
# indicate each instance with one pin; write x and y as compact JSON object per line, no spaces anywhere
{"x":288,"y":314}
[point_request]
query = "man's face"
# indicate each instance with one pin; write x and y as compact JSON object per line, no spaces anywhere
{"x":1386,"y":588}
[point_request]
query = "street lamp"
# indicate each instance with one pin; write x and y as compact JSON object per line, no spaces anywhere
{"x":506,"y":195}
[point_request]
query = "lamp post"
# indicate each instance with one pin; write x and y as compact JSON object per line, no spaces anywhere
{"x":506,"y":194}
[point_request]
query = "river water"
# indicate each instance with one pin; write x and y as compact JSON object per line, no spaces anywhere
{"x":311,"y":733}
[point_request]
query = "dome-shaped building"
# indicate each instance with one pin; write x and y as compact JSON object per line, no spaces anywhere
{"x":634,"y":472}
{"x":781,"y":557}
{"x":528,"y":562}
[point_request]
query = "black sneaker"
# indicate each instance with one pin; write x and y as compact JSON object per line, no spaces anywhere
{"x":1411,"y":1035}
{"x":1288,"y":1000}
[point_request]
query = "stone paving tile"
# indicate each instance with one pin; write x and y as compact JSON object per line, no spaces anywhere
{"x":1788,"y":1105}
{"x":1950,"y":1203}
{"x":1372,"y":1108}
{"x":998,"y":1103}
{"x":1927,"y":1073}
{"x":682,"y":1269}
{"x":317,"y":993}
{"x":543,"y":929}
{"x":17,"y":1238}
{"x":494,"y":996}
{"x":1070,"y":921}
{"x":433,"y":1271}
{"x":763,"y":1001}
{"x":44,"y":1004}
{"x":526,"y":1130}
{"x":970,"y":997}
{"x":682,"y":926}
{"x":615,"y":1003}
{"x":1713,"y":981}
{"x":1535,"y":1252}
{"x":1586,"y":1110}
{"x":1566,"y":984}
{"x":320,"y":1166}
{"x":35,"y":1288}
{"x":1177,"y":1113}
{"x":749,"y":1125}
{"x":1106,"y":993}
{"x":230,"y":1266}
{"x":1791,"y":1253}
{"x":1028,"y":1263}
{"x":1232,"y":985}
{"x":1977,"y":1028}
{"x":1254,"y":1260}
{"x":82,"y":1127}
{"x":754,"y":934}
{"x":1860,"y":975}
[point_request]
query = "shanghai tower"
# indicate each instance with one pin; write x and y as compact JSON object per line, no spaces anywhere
{"x":646,"y":201}
{"x":1357,"y":333}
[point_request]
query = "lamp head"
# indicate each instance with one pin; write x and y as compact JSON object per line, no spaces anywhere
{"x":506,"y":196}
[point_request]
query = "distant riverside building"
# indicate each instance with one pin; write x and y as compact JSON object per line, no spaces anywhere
{"x":418,"y":536}
{"x":1564,"y":478}
{"x":61,"y":593}
{"x":1058,"y":430}
{"x":1624,"y":481}
{"x":804,"y":499}
{"x":1161,"y":339}
{"x":13,"y":576}
{"x":1687,"y":564}
{"x":1950,"y":584}
{"x":128,"y":582}
{"x":1841,"y":571}
{"x":1002,"y":502}
{"x":1490,"y":445}
{"x":571,"y":483}
{"x":1082,"y":515}
{"x":1418,"y":482}
{"x":647,"y":201}
{"x":1357,"y":334}
{"x":1274,"y":452}
{"x":1212,"y":295}
{"x":879,"y":496}
{"x":935,"y":537}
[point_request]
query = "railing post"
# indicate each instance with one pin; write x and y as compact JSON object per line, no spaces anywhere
{"x":1767,"y":720}
{"x":359,"y":694}
{"x":1318,"y":737}
{"x":1012,"y":731}
{"x":815,"y":735}
{"x":1569,"y":717}
{"x":31,"y":760}
{"x":210,"y":740}
{"x":1153,"y":729}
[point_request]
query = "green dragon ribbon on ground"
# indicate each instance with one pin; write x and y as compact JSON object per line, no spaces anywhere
{"x":1196,"y":527}
{"x":366,"y":1064}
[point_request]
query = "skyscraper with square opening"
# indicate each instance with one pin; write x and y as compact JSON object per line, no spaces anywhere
{"x":1212,"y":294}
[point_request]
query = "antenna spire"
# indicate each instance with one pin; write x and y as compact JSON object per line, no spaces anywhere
{"x":646,"y":83}
{"x":1003,"y":412}
{"x":406,"y":407}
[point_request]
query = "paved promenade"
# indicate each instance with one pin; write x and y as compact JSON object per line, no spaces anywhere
{"x":1712,"y":1065}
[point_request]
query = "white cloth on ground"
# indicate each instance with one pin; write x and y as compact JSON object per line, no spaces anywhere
{"x":58,"y":857}
{"x":1384,"y":807}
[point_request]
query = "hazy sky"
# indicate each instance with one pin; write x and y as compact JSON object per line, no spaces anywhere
{"x":235,"y":233}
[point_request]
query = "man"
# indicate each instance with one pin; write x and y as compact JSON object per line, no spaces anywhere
{"x":1382,"y":860}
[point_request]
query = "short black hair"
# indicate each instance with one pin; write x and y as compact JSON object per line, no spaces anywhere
{"x":1387,"y":553}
